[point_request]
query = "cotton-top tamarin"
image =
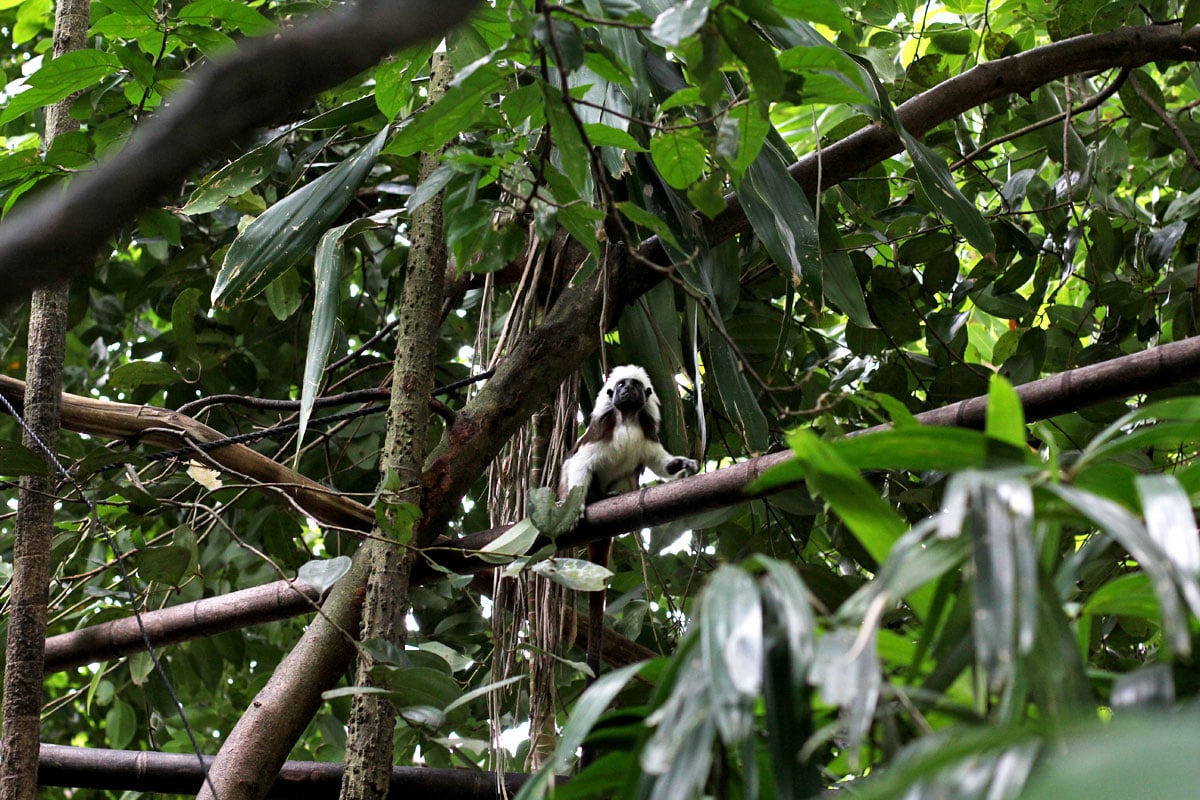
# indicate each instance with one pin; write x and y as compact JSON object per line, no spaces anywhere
{"x":621,"y":440}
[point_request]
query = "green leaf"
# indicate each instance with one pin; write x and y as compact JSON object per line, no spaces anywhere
{"x":652,"y":223}
{"x":678,"y":22}
{"x":858,"y":504}
{"x":328,"y":265}
{"x":183,"y":325}
{"x":1126,"y":595}
{"x":680,"y":157}
{"x":574,"y":573}
{"x":120,"y":725}
{"x":288,"y":230}
{"x":551,"y":518}
{"x":165,"y":564}
{"x":514,"y":542}
{"x":731,"y":645}
{"x":60,"y":78}
{"x":397,"y":520}
{"x":235,"y":178}
{"x":601,"y":135}
{"x":753,"y":51}
{"x":916,"y":449}
{"x":736,"y":394}
{"x":562,"y":41}
{"x":17,"y":459}
{"x":322,"y":573}
{"x":1169,"y":520}
{"x":947,"y":198}
{"x":143,"y":373}
{"x":454,"y":113}
{"x":587,"y":711}
{"x":782,"y":218}
{"x":1005,"y":415}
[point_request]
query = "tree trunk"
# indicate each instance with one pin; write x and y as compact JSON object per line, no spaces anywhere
{"x":22,"y":704}
{"x":385,"y":606}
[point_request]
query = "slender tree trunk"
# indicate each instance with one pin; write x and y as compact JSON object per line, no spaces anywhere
{"x":29,"y":593}
{"x":370,"y":731}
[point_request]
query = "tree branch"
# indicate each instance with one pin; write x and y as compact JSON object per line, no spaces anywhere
{"x":264,"y":81}
{"x":172,"y":773}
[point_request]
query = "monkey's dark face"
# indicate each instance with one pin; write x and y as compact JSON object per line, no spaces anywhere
{"x":629,"y":395}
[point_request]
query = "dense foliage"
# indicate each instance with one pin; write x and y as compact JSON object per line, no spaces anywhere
{"x":936,"y":612}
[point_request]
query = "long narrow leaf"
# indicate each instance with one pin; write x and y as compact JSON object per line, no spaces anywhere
{"x":288,"y":230}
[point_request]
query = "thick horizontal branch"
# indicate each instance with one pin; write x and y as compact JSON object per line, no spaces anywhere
{"x":1163,"y":366}
{"x":263,"y":81}
{"x":177,"y":773}
{"x":205,"y":617}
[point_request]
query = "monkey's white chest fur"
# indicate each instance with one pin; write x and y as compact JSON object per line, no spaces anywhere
{"x":619,"y":466}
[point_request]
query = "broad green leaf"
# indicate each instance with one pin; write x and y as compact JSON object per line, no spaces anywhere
{"x":1169,"y":584}
{"x":753,"y":51}
{"x":583,"y":717}
{"x":233,"y":14}
{"x":1126,"y":595}
{"x":562,"y":41}
{"x":396,"y":520}
{"x":942,"y":190}
{"x":731,"y":644}
{"x":680,"y":157}
{"x":288,"y":230}
{"x":574,"y":573}
{"x":839,"y":279}
{"x":17,"y":459}
{"x":514,"y":542}
{"x":1169,"y":520}
{"x":60,"y":78}
{"x":234,"y":179}
{"x":916,"y":449}
{"x":1005,"y":416}
{"x":165,"y":563}
{"x":782,"y":218}
{"x":1095,"y":762}
{"x":549,"y":516}
{"x":322,"y":573}
{"x":183,"y":325}
{"x":678,"y":22}
{"x":143,"y":373}
{"x":120,"y":725}
{"x":601,"y":135}
{"x":858,"y":504}
{"x":824,"y":12}
{"x":454,"y":113}
{"x":737,"y":395}
{"x":654,"y":224}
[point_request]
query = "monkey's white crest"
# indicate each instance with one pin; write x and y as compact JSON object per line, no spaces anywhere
{"x":604,"y":399}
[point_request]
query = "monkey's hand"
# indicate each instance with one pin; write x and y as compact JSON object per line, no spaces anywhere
{"x":680,"y":467}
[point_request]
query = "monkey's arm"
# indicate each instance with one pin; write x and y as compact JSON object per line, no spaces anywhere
{"x":667,"y":466}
